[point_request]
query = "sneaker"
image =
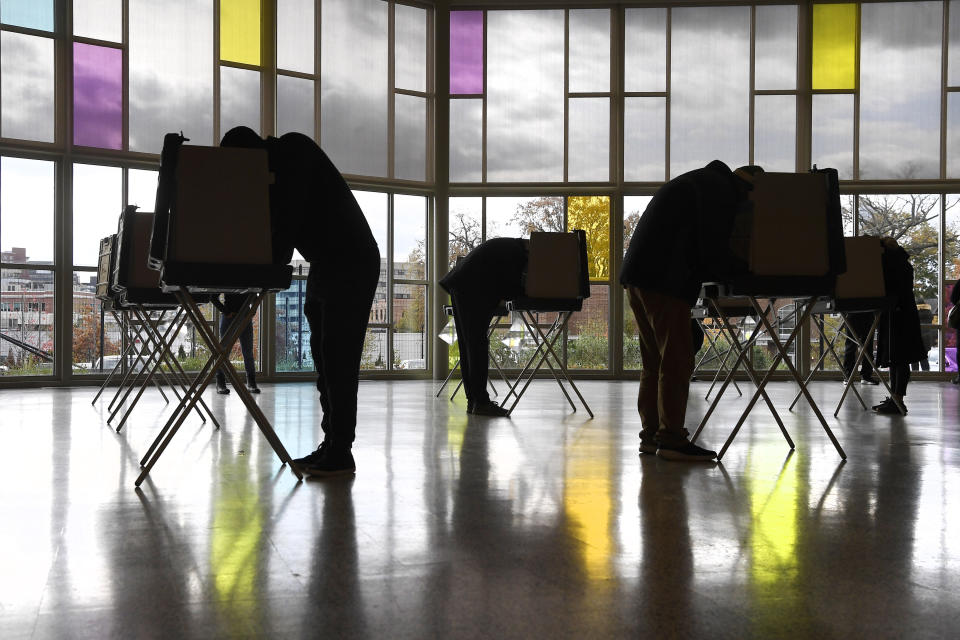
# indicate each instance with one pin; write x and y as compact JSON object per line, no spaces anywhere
{"x":329,"y":464}
{"x":686,"y":452}
{"x":648,"y":441}
{"x":488,"y":408}
{"x":253,"y":388}
{"x":311,"y":458}
{"x":222,"y":389}
{"x":886,"y":401}
{"x":869,"y":380}
{"x":889,"y":407}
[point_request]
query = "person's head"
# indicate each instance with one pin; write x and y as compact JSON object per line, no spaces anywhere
{"x":889,"y":242}
{"x":745,"y":177}
{"x":242,"y":137}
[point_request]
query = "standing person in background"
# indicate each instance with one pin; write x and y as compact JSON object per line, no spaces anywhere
{"x":899,"y":341}
{"x":928,"y":333}
{"x":680,"y":242}
{"x":228,"y":308}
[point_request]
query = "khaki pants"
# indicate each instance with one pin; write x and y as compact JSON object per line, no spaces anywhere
{"x":667,"y":353}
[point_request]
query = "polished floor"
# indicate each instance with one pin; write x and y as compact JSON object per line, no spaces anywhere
{"x":545,"y":525}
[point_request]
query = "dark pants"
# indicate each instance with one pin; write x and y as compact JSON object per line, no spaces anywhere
{"x":899,"y":377}
{"x":472,"y":317}
{"x":860,"y":323}
{"x":246,"y":348}
{"x":667,"y":354}
{"x":337,"y":305}
{"x":923,"y":365}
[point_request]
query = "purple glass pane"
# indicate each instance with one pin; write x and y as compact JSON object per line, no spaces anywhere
{"x":97,"y":96}
{"x":466,"y":52}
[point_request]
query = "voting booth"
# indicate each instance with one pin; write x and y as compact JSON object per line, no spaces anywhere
{"x":794,"y":248}
{"x":556,"y":283}
{"x":211,"y":235}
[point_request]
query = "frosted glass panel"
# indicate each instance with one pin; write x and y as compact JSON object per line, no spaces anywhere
{"x":900,"y":70}
{"x":775,"y":132}
{"x":710,"y":87}
{"x":240,"y":31}
{"x":644,"y":134}
{"x":832,"y":143}
{"x":589,"y":50}
{"x":97,"y":202}
{"x":834,"y":46}
{"x":295,"y":106}
{"x":525,"y":98}
{"x":953,"y":135}
{"x":295,"y":21}
{"x":466,"y":138}
{"x":775,"y":53}
{"x":409,"y":236}
{"x":588,"y":151}
{"x":466,"y":52}
{"x":97,"y":96}
{"x":410,"y":147}
{"x":142,"y":188}
{"x":239,"y":99}
{"x":953,"y":56}
{"x":645,"y":52}
{"x":410,"y":29}
{"x":171,"y":71}
{"x":33,"y":14}
{"x":26,"y":87}
{"x":353,"y":90}
{"x":99,"y":19}
{"x":26,"y":209}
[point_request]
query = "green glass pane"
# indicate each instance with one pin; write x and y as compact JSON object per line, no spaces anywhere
{"x":834,"y":46}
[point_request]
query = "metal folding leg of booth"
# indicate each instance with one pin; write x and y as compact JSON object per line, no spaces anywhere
{"x":543,"y":353}
{"x":782,"y":355}
{"x":219,"y":358}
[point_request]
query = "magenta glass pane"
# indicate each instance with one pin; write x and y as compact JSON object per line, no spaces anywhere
{"x":466,"y":52}
{"x":97,"y":96}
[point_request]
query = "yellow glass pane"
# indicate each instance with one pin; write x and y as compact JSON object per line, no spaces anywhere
{"x":240,"y":31}
{"x":834,"y":46}
{"x":592,"y":214}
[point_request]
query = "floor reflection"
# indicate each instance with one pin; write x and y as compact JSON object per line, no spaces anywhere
{"x":547,"y":524}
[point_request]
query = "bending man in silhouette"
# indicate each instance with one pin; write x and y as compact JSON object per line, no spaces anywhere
{"x":231,"y":304}
{"x":315,"y":212}
{"x":680,"y":242}
{"x":487,"y":276}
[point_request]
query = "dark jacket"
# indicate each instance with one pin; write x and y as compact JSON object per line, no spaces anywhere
{"x":493,"y":270}
{"x":682,"y":237}
{"x":899,"y":338}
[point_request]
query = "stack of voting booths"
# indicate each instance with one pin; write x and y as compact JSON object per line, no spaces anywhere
{"x":148,"y":318}
{"x":211,"y":234}
{"x":791,"y":241}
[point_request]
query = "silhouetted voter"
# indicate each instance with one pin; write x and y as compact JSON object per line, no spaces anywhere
{"x":487,"y":276}
{"x":899,"y":337}
{"x":315,"y":212}
{"x":680,"y":242}
{"x":229,"y":306}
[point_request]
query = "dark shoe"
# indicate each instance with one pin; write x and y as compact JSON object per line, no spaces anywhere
{"x":311,"y":458}
{"x":252,"y":387}
{"x":488,"y":408}
{"x":686,"y":452}
{"x":329,"y":464}
{"x":889,"y":407}
{"x":648,"y":442}
{"x":869,"y":380}
{"x":222,"y":389}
